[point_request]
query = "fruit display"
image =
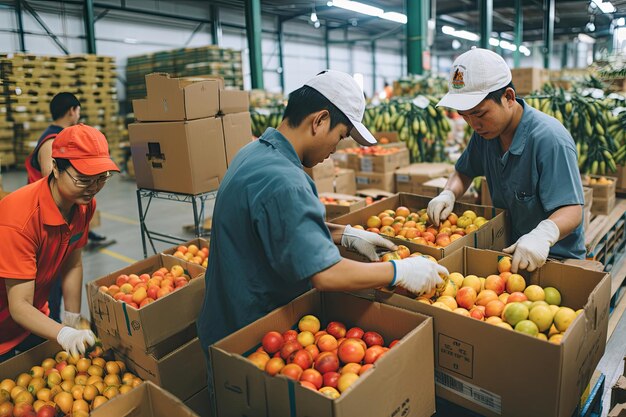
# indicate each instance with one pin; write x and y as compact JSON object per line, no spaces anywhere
{"x":328,"y":361}
{"x":193,"y":254}
{"x":140,"y":290}
{"x":65,"y":385}
{"x":403,"y":223}
{"x":503,"y":299}
{"x":375,"y":150}
{"x":412,"y":85}
{"x":600,"y":140}
{"x":599,"y":181}
{"x":261,"y":119}
{"x":422,"y":126}
{"x":337,"y":201}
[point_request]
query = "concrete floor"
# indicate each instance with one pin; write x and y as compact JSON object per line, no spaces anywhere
{"x":117,"y":203}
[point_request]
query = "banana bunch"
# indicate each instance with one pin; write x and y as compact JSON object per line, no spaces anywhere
{"x":588,"y":120}
{"x":424,"y":130}
{"x":260,"y":121}
{"x":617,"y":129}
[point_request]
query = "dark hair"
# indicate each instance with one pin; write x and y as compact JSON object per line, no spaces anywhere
{"x":305,"y":101}
{"x":62,"y":164}
{"x":497,"y":95}
{"x":62,"y":103}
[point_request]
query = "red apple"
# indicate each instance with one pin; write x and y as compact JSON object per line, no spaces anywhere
{"x":373,"y":339}
{"x":272,"y":342}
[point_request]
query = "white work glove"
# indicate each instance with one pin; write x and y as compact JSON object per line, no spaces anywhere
{"x":71,"y":319}
{"x":73,"y":341}
{"x":365,"y":242}
{"x":531,"y":250}
{"x":418,"y":274}
{"x":441,"y":206}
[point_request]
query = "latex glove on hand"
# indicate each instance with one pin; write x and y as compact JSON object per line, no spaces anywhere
{"x":418,"y":274}
{"x":71,"y":319}
{"x":365,"y":242}
{"x":73,"y":341}
{"x":531,"y":250}
{"x":440,"y":207}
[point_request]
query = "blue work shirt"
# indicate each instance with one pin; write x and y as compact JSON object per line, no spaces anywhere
{"x":268,"y":238}
{"x":535,"y":177}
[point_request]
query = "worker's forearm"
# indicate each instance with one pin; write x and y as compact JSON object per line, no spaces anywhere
{"x":27,"y":316}
{"x":567,"y":219}
{"x":347,"y":275}
{"x":458,"y":184}
{"x":336,"y":231}
{"x":72,"y":288}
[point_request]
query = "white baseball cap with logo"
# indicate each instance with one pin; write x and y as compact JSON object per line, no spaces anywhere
{"x":474,"y":75}
{"x":344,"y":92}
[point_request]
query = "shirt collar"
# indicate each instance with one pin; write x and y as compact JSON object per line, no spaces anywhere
{"x":279,"y":142}
{"x":521,"y":133}
{"x":51,"y":214}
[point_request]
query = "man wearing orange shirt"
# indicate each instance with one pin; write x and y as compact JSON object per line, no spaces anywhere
{"x":43,"y":227}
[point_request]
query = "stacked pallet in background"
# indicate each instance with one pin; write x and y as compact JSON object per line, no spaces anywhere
{"x":29,"y":82}
{"x":186,"y":62}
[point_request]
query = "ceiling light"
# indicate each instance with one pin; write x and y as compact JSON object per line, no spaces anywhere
{"x":585,"y":38}
{"x":604,"y":6}
{"x":317,"y":24}
{"x":523,"y":49}
{"x":620,"y":22}
{"x":363,"y":8}
{"x":590,"y":27}
{"x":395,"y":17}
{"x":494,"y":42}
{"x":455,"y":44}
{"x":463,"y":34}
{"x":313,"y":17}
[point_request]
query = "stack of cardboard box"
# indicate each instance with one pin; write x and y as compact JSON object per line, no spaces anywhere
{"x":603,"y":193}
{"x":189,"y":131}
{"x":411,"y":179}
{"x":527,"y":80}
{"x":588,"y":194}
{"x":331,"y":179}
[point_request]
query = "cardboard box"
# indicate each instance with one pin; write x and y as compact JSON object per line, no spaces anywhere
{"x":200,"y":403}
{"x":181,"y":371}
{"x":485,"y":195}
{"x":410,"y":179}
{"x":435,"y":186}
{"x":199,"y":242}
{"x":234,"y":101}
{"x":384,"y":181}
{"x":325,"y":169}
{"x":183,"y":157}
{"x":493,"y":235}
{"x":146,"y":400}
{"x":390,"y":136}
{"x":237,"y":133}
{"x":174,"y":99}
{"x":483,"y":367}
{"x":144,"y":328}
{"x":24,"y":361}
{"x":527,"y":80}
{"x":602,"y":206}
{"x":621,"y":178}
{"x":345,"y":181}
{"x":347,"y":158}
{"x":401,"y":382}
{"x":618,"y":391}
{"x":588,"y":197}
{"x":336,"y":210}
{"x":374,"y":193}
{"x":325,"y":185}
{"x":618,"y":411}
{"x":600,"y":191}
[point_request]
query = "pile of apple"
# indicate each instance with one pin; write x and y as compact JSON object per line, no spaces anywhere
{"x":140,"y":290}
{"x":402,"y":223}
{"x":328,"y":361}
{"x":193,"y":254}
{"x":505,"y":301}
{"x":65,"y":385}
{"x":371,"y":150}
{"x":337,"y":201}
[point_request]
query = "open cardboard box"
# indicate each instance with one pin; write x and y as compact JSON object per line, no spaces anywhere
{"x":499,"y":372}
{"x":143,"y":328}
{"x":199,"y":242}
{"x":493,"y":235}
{"x":336,"y":209}
{"x":401,"y":382}
{"x":410,"y":179}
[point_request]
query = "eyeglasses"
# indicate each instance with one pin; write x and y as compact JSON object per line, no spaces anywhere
{"x":86,"y":183}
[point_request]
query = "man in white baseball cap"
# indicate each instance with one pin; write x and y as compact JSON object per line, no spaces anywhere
{"x":528,"y":157}
{"x":269,"y":241}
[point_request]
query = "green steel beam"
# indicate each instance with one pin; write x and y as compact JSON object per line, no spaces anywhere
{"x":253,"y":29}
{"x":281,"y":58}
{"x":90,"y":27}
{"x":564,"y":55}
{"x":216,"y":25}
{"x":20,"y":25}
{"x":373,"y":49}
{"x":519,"y":32}
{"x":486,"y":22}
{"x":416,"y":35}
{"x":548,"y":31}
{"x":326,"y":49}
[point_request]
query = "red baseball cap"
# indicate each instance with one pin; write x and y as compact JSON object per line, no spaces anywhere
{"x":86,"y":148}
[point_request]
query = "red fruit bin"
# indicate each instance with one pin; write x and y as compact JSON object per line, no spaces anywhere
{"x":145,"y":327}
{"x":400,"y":383}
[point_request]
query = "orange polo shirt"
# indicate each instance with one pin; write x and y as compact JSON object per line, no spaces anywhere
{"x":35,"y":240}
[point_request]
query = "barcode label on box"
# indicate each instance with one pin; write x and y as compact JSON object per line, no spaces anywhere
{"x":362,"y":180}
{"x":366,"y":164}
{"x":402,"y":178}
{"x":469,"y":391}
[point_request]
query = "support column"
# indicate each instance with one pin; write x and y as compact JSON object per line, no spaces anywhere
{"x":486,"y":22}
{"x":564,"y":55}
{"x":253,"y":30}
{"x":216,"y":25}
{"x":519,"y":32}
{"x":90,"y":32}
{"x":415,"y":35}
{"x":20,"y":25}
{"x":373,"y":49}
{"x":548,"y":31}
{"x":326,"y":49}
{"x":281,"y":61}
